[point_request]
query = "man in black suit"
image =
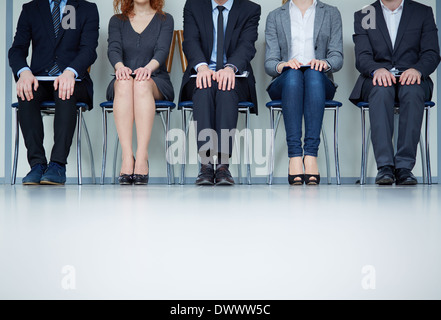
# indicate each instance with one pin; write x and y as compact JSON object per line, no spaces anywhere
{"x":219,"y":37}
{"x":64,"y":36}
{"x":395,"y":59}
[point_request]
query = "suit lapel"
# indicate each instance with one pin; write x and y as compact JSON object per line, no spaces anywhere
{"x":73,"y":3}
{"x":286,"y":23}
{"x":207,"y":14}
{"x":381,"y":24}
{"x":319,"y":17}
{"x":404,"y":22}
{"x":232,"y":19}
{"x":46,"y":16}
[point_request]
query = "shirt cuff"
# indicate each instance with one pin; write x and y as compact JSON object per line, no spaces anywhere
{"x":199,"y":65}
{"x":235,"y":69}
{"x":73,"y":70}
{"x":21,"y":70}
{"x":329,"y":66}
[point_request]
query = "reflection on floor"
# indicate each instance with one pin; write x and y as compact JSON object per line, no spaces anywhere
{"x":244,"y":242}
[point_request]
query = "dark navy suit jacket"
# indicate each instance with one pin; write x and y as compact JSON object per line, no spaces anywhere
{"x":74,"y":48}
{"x":240,"y":36}
{"x":416,"y":45}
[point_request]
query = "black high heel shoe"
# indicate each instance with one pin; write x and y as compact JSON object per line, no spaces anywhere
{"x":292,"y":179}
{"x":125,"y":179}
{"x":141,"y":179}
{"x":311,"y":179}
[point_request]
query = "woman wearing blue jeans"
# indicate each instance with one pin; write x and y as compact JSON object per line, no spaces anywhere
{"x":304,"y":47}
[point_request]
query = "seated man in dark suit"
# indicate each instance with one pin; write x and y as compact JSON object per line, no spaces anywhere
{"x":395,"y":59}
{"x":219,"y":37}
{"x":62,"y":48}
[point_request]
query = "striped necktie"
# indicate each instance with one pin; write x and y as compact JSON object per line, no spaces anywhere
{"x":57,"y":24}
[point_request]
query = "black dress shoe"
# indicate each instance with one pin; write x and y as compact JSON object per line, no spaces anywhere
{"x":385,"y":176}
{"x":125,"y":179}
{"x":312,"y":179}
{"x":223,"y":176}
{"x":206,"y":176}
{"x":140,"y":179}
{"x":405,"y":177}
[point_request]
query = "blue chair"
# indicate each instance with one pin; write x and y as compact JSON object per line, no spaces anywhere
{"x":244,"y":108}
{"x":276,"y":107}
{"x":48,"y":109}
{"x":425,"y":154}
{"x":162,"y":107}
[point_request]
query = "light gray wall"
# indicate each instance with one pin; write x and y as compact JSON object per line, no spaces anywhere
{"x":2,"y":87}
{"x":350,"y":133}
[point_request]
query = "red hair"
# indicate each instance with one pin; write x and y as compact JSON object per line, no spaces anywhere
{"x":125,"y":7}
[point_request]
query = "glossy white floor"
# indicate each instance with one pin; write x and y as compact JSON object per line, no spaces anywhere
{"x":254,"y":242}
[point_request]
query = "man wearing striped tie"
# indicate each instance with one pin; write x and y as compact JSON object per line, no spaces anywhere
{"x":64,"y":37}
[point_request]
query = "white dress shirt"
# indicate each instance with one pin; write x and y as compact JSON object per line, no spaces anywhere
{"x":302,"y":33}
{"x":393,"y":19}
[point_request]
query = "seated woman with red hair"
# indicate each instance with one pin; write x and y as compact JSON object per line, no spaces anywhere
{"x":140,"y":34}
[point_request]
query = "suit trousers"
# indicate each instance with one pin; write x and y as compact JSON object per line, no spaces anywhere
{"x":216,"y":113}
{"x":381,"y":113}
{"x":65,"y":119}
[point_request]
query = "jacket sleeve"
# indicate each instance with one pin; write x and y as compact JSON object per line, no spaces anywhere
{"x":246,"y":50}
{"x":429,"y":46}
{"x":22,"y":40}
{"x":273,"y":55}
{"x":334,"y":55}
{"x":364,"y":56}
{"x":88,"y":43}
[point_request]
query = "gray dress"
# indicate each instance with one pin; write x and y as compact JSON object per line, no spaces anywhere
{"x":136,"y":50}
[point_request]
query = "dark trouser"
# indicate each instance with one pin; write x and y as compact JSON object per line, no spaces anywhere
{"x":65,"y":119}
{"x":216,"y":112}
{"x":303,"y":94}
{"x":381,"y":114}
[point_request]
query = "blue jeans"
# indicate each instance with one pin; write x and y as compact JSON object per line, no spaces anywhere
{"x":303,"y":94}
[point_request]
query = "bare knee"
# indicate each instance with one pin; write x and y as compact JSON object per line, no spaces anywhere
{"x":123,"y":87}
{"x":144,"y":88}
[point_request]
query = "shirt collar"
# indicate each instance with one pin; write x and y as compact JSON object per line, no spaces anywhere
{"x":293,"y":5}
{"x":227,"y":4}
{"x":396,"y":10}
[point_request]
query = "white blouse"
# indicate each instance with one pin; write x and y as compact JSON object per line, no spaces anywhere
{"x":302,"y":33}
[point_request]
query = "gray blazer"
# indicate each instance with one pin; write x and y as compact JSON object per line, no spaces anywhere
{"x":328,"y":37}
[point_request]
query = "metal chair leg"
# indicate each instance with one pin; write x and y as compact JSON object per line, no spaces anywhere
{"x":271,"y":158}
{"x":239,"y":157}
{"x":363,"y":148}
{"x":427,"y":140}
{"x":184,"y":146}
{"x":79,"y":164}
{"x":17,"y":143}
{"x":170,"y":168}
{"x":336,"y":155}
{"x":328,"y":166}
{"x":423,"y":159}
{"x":92,"y":162}
{"x":247,"y":146}
{"x":103,"y":165}
{"x":115,"y":158}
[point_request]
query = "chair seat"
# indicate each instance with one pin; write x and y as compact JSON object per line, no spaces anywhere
{"x":242,"y":105}
{"x":363,"y":104}
{"x":159,"y":104}
{"x":328,"y":104}
{"x":51,"y":104}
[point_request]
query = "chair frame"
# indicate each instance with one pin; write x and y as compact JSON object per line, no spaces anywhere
{"x":425,"y":151}
{"x":166,"y":124}
{"x":185,"y":127}
{"x":274,"y":122}
{"x":48,"y":109}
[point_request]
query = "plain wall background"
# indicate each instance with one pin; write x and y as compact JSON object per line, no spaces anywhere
{"x":349,"y":129}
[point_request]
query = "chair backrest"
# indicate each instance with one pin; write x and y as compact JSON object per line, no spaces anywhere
{"x":180,"y":36}
{"x":171,"y":53}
